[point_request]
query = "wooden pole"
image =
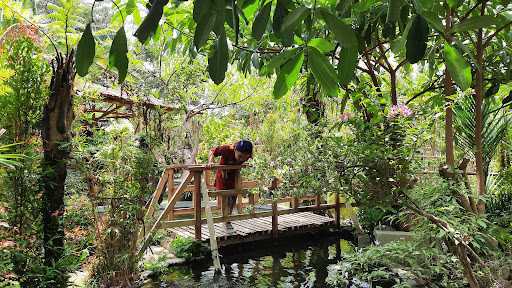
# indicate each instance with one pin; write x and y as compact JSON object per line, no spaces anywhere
{"x":295,"y":204}
{"x":197,"y":203}
{"x":275,"y":227}
{"x":170,"y":191}
{"x":252,"y":202}
{"x":211,"y":227}
{"x":238,"y":190}
{"x":337,"y":212}
{"x":317,"y":200}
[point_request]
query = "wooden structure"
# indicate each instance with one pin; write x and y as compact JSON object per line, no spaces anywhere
{"x":248,"y":224}
{"x":115,"y":104}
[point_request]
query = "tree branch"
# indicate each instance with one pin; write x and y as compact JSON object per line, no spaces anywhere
{"x":489,"y":38}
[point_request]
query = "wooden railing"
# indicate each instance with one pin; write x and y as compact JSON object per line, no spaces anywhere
{"x":191,"y":182}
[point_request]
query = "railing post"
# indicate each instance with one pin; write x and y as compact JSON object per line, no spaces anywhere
{"x":238,"y":190}
{"x":197,"y":203}
{"x":275,"y":224}
{"x":295,"y":204}
{"x":170,"y":191}
{"x":317,"y":200}
{"x":252,"y":203}
{"x":337,"y":212}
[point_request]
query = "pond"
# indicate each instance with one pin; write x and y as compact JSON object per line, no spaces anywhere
{"x":301,"y":261}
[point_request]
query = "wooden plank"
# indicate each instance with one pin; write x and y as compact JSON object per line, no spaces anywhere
{"x":156,"y":195}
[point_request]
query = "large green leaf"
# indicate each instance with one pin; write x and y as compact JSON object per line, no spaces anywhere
{"x":347,"y":65}
{"x":150,"y":22}
{"x":294,"y":19}
{"x":85,"y":51}
{"x":280,"y":13}
{"x":417,"y":37}
{"x":118,"y":54}
{"x":393,"y":10}
{"x":220,"y":11}
{"x":323,"y":71}
{"x":474,"y":23}
{"x":457,"y":66}
{"x":277,"y":61}
{"x":260,"y":22}
{"x":343,"y":33}
{"x":218,"y":61}
{"x":203,"y":29}
{"x":321,"y":44}
{"x":428,"y":11}
{"x":288,"y":75}
{"x":201,"y":8}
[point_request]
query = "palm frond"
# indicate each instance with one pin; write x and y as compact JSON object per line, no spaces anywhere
{"x":495,"y":123}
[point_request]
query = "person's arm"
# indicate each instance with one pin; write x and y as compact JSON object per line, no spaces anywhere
{"x":214,"y":152}
{"x":211,"y":157}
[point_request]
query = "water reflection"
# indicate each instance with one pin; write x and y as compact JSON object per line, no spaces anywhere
{"x":296,"y":262}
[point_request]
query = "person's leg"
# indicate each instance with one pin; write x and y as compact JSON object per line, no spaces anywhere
{"x":231,"y":204}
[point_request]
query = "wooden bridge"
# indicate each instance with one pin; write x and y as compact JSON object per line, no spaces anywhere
{"x":249,"y":224}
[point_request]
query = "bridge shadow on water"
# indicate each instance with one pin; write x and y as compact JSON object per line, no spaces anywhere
{"x":299,"y":261}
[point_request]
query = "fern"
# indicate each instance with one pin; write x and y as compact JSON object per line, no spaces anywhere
{"x":66,"y":19}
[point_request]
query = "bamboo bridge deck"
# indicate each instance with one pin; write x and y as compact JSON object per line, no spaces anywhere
{"x":287,"y":215}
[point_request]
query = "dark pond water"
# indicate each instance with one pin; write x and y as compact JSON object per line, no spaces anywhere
{"x":292,"y":262}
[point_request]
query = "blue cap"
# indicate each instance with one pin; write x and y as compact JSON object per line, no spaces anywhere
{"x":244,"y":146}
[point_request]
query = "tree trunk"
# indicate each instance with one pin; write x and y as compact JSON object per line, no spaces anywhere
{"x":57,"y":119}
{"x":479,"y":99}
{"x":448,"y":91}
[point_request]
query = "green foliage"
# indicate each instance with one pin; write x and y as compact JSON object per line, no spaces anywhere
{"x":149,"y":25}
{"x":218,"y":61}
{"x":323,"y":71}
{"x":458,"y":67}
{"x":496,"y":123}
{"x":188,"y":248}
{"x":85,"y":52}
{"x":118,"y":54}
{"x":261,"y":21}
{"x":113,"y":157}
{"x":417,"y":37}
{"x":288,"y":75}
{"x":399,"y":264}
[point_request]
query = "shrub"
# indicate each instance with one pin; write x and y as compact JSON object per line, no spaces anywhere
{"x":188,"y":248}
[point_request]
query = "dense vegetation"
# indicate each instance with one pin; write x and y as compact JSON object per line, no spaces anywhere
{"x":400,"y":105}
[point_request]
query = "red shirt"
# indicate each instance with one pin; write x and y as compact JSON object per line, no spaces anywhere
{"x":225,"y":179}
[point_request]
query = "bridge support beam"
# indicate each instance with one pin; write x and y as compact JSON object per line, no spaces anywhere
{"x":337,"y":212}
{"x":197,"y":204}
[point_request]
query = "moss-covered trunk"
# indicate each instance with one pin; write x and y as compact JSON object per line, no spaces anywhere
{"x":57,"y":120}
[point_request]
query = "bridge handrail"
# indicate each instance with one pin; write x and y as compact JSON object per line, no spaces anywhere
{"x":192,"y":175}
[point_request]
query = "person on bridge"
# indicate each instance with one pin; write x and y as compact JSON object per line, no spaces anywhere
{"x":234,"y":154}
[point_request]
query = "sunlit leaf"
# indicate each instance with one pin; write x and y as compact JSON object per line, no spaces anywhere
{"x":474,"y":23}
{"x":288,"y":75}
{"x":321,"y":44}
{"x":458,"y":67}
{"x":323,"y":71}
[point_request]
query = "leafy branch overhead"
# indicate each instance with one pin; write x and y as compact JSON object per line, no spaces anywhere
{"x":290,"y":38}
